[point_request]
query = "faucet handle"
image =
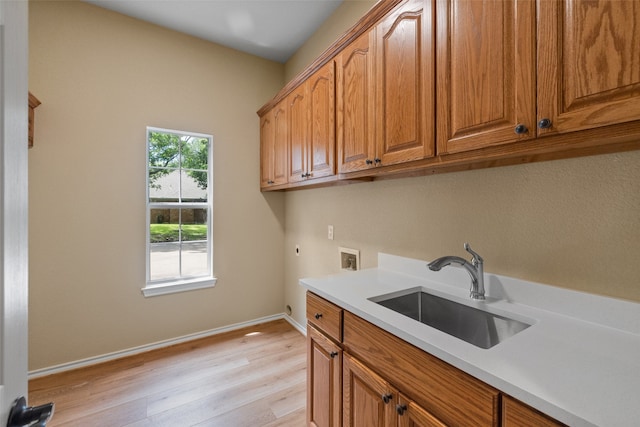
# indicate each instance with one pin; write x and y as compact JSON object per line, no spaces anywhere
{"x":476,"y":258}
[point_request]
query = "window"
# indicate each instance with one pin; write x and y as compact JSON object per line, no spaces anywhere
{"x":179,"y":207}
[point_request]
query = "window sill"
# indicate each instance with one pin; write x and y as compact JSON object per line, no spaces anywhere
{"x":178,"y":286}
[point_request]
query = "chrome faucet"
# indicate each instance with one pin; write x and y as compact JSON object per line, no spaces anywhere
{"x":474,"y":268}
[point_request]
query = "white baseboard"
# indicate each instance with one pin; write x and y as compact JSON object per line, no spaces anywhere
{"x":301,"y":328}
{"x":166,"y":343}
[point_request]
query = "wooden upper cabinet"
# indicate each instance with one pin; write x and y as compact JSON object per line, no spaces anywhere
{"x":312,"y":127}
{"x":404,"y":90}
{"x":274,"y":146}
{"x":486,"y":73}
{"x":298,"y":104}
{"x":322,"y":135}
{"x":588,"y":63}
{"x":33,"y":104}
{"x":355,"y":104}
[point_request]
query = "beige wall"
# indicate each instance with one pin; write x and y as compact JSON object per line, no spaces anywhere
{"x":102,"y":78}
{"x":345,"y":16}
{"x":571,"y":223}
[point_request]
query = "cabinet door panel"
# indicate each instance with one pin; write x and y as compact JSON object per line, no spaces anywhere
{"x":415,"y":416}
{"x":363,"y":403}
{"x":267,"y":149}
{"x":298,"y":133}
{"x":324,"y":380}
{"x":405,"y":71}
{"x":322,"y":135}
{"x":355,"y":104}
{"x":486,"y":73}
{"x":589,"y":63}
{"x":281,"y":142}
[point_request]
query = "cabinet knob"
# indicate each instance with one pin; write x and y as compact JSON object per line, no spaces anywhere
{"x":269,"y":182}
{"x":318,"y":316}
{"x":386,"y":398}
{"x":544,"y":124}
{"x":377,"y":160}
{"x":369,"y":161}
{"x":521,"y":129}
{"x":333,"y":354}
{"x":400,"y":409}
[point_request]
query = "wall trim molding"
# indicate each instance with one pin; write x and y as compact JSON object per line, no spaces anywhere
{"x":301,"y":328}
{"x":161,"y":344}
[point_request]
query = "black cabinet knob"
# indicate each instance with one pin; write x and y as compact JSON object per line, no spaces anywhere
{"x":521,"y":129}
{"x":400,"y":409}
{"x":318,"y":316}
{"x":333,"y":354}
{"x":369,"y":161}
{"x":377,"y":160}
{"x":544,"y":124}
{"x":386,"y":398}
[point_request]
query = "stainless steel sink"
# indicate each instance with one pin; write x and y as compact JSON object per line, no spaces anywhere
{"x":477,"y":327}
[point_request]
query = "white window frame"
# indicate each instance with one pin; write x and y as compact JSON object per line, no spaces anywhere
{"x":180,"y":284}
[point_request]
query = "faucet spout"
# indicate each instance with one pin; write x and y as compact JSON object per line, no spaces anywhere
{"x":474,"y":268}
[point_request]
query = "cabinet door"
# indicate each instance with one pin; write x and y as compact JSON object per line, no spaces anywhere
{"x":322,"y":137}
{"x":410,"y":414}
{"x":298,"y":104}
{"x":368,"y":399}
{"x":405,"y":91}
{"x":324,"y":380}
{"x":267,"y":149}
{"x":280,"y":145}
{"x":356,"y":98}
{"x":485,"y":73}
{"x":588,"y":63}
{"x":274,"y":147}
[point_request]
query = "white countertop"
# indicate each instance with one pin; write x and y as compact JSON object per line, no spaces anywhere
{"x":579,"y":362}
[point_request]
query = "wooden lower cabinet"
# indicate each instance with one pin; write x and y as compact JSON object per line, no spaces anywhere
{"x":359,"y":375}
{"x":368,"y":399}
{"x":324,"y":380}
{"x":371,"y":401}
{"x":517,"y":414}
{"x":410,"y":414}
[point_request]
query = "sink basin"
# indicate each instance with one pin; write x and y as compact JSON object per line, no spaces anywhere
{"x":477,"y":327}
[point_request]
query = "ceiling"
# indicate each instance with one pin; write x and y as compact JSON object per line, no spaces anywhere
{"x":271,"y":29}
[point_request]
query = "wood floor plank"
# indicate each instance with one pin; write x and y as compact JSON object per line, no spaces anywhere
{"x":254,"y":376}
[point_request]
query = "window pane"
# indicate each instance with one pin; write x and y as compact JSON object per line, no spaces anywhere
{"x":194,"y":224}
{"x":164,"y":225}
{"x":164,"y":185}
{"x":194,"y":258}
{"x":194,"y":186}
{"x":164,"y":150}
{"x":164,"y":261}
{"x":195,"y":153}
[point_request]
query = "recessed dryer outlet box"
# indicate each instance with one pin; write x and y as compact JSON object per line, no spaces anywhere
{"x":349,"y":259}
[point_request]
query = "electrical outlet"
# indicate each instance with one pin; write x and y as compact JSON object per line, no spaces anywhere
{"x":330,"y":232}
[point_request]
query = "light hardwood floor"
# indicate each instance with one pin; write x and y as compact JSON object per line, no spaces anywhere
{"x":251,"y":377}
